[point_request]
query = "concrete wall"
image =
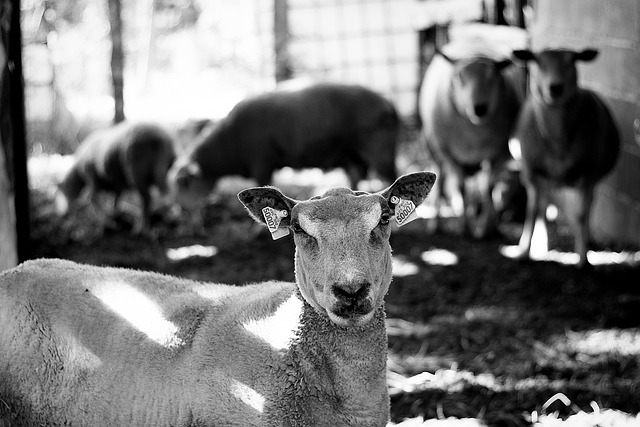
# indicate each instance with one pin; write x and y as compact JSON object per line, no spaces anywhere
{"x":613,"y":26}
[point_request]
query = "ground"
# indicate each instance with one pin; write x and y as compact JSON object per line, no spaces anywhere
{"x":471,"y":333}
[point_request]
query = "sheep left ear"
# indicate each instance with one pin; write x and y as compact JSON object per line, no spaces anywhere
{"x":523,"y":55}
{"x":586,"y":55}
{"x":268,"y":206}
{"x":406,"y":193}
{"x":501,"y":65}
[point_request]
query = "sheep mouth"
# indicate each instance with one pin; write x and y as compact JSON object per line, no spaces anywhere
{"x":352,"y":313}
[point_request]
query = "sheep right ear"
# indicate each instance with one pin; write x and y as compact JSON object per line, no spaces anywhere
{"x":268,"y":206}
{"x":586,"y":55}
{"x":523,"y":55}
{"x":406,"y":193}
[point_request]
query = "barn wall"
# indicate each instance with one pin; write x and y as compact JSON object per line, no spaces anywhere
{"x":613,"y":26}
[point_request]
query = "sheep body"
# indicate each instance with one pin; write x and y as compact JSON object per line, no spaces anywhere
{"x":127,"y":156}
{"x":468,"y":108}
{"x":322,"y":125}
{"x":565,"y":139}
{"x":90,"y":345}
{"x":82,"y":352}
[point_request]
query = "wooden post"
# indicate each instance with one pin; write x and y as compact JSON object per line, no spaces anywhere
{"x":281,"y":40}
{"x":117,"y":58}
{"x":13,"y":131}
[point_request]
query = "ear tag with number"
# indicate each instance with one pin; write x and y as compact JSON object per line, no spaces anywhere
{"x":272,"y":218}
{"x":405,"y":210}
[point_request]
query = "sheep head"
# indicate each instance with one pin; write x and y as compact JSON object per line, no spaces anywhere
{"x":476,"y":84}
{"x":343,"y":256}
{"x":554,"y":78}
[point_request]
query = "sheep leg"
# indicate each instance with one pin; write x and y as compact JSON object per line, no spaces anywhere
{"x":483,"y":222}
{"x":143,"y":223}
{"x":456,"y":191}
{"x":523,"y":249}
{"x":579,"y":202}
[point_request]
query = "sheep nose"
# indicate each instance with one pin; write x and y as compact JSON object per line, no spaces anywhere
{"x":351,"y":294}
{"x":480,"y":109}
{"x":556,"y":90}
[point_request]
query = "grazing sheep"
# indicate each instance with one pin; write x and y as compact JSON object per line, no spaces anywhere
{"x":126,"y":156}
{"x":468,"y":109}
{"x":565,"y":139}
{"x":86,"y":345}
{"x":323,"y":125}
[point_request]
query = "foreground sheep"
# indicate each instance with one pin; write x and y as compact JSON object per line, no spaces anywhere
{"x":85,"y":345}
{"x":127,"y":156}
{"x":565,"y":139}
{"x":468,"y":108}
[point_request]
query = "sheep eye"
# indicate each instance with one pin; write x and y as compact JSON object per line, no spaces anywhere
{"x":384,"y":219}
{"x":295,"y":226}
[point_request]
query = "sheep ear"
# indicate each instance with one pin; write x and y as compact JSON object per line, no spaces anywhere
{"x":406,"y":193}
{"x":586,"y":55}
{"x":501,"y":65}
{"x":523,"y":55}
{"x":268,"y":206}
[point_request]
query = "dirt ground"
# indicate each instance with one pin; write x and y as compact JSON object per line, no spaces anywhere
{"x":471,"y":333}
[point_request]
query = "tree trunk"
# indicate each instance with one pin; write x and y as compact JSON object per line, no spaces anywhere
{"x":117,"y":58}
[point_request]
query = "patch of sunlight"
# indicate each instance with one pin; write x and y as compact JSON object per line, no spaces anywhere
{"x":278,"y":329}
{"x":599,"y":417}
{"x":247,"y":395}
{"x":45,"y":169}
{"x":404,"y":268}
{"x":440,"y":422}
{"x":437,"y":256}
{"x":491,"y":313}
{"x":216,"y":293}
{"x":137,"y":309}
{"x":311,"y":177}
{"x":595,"y":257}
{"x":404,"y":328}
{"x":624,"y":342}
{"x":186,"y":252}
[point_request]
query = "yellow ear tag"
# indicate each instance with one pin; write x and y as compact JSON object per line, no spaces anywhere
{"x":405,"y":210}
{"x":272,"y":218}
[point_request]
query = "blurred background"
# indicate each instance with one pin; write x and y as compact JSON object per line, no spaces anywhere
{"x":475,"y":338}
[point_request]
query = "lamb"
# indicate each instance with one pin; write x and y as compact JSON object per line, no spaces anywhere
{"x":468,"y":108}
{"x":324,"y":125}
{"x":126,"y":156}
{"x":565,"y":139}
{"x":87,"y":345}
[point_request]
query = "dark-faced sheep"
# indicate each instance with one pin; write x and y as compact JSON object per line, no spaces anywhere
{"x":565,"y":139}
{"x":468,"y":109}
{"x":85,"y":345}
{"x":323,"y":125}
{"x":128,"y":156}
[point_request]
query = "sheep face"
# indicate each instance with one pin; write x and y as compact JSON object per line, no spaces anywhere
{"x":343,"y":256}
{"x":476,"y":87}
{"x":554,"y":78}
{"x":187,"y":185}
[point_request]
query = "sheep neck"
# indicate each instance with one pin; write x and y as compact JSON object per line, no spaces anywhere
{"x":342,"y":369}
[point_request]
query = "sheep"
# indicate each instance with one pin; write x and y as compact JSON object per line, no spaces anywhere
{"x":86,"y":345}
{"x":565,"y":139}
{"x":325,"y":125}
{"x":126,"y":156}
{"x":468,"y":108}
